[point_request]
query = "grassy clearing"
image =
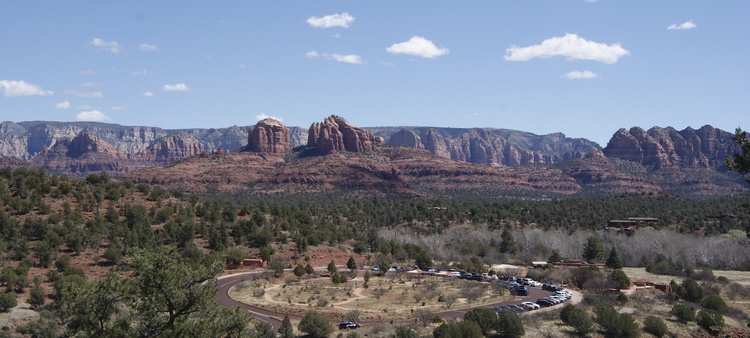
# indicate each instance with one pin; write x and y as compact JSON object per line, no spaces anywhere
{"x":394,"y":297}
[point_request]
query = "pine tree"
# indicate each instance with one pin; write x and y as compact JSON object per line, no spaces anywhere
{"x":614,"y":261}
{"x":286,"y":330}
{"x":332,"y":267}
{"x":351,"y":264}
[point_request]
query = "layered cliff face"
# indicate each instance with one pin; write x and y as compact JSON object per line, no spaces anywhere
{"x":170,"y":148}
{"x":82,"y":154}
{"x":269,"y":136}
{"x":667,"y":147}
{"x":24,"y":140}
{"x":336,"y":134}
{"x":484,"y":146}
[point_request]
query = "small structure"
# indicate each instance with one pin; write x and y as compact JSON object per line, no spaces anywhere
{"x":247,"y":263}
{"x":538,"y":264}
{"x":577,"y":263}
{"x":643,"y":284}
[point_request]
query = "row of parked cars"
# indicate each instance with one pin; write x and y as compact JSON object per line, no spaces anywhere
{"x":520,"y":286}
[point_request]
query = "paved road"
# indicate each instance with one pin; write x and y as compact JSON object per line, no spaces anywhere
{"x":226,"y":282}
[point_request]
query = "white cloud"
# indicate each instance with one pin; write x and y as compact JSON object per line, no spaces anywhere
{"x":91,"y":84}
{"x":336,"y":36}
{"x":417,"y":46}
{"x":97,"y":94}
{"x":93,"y":115}
{"x":571,"y":46}
{"x":12,"y":88}
{"x":349,"y":58}
{"x":179,"y":87}
{"x":118,"y":108}
{"x":263,"y":116}
{"x":684,"y":25}
{"x":333,"y":20}
{"x":149,"y":94}
{"x":581,"y":75}
{"x":148,"y":47}
{"x":111,"y":46}
{"x":63,"y":105}
{"x":87,"y":72}
{"x":141,"y":72}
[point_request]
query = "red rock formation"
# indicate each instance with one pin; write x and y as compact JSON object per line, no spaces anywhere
{"x":667,"y":147}
{"x":269,"y":136}
{"x":170,"y":148}
{"x":335,"y":134}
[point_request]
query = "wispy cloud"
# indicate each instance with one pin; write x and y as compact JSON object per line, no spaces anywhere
{"x":63,"y":105}
{"x":11,"y":88}
{"x":149,"y":94}
{"x":682,"y":26}
{"x":571,"y":46}
{"x":108,"y":46}
{"x":140,"y":72}
{"x":417,"y":46}
{"x":97,"y":94}
{"x":580,"y":75}
{"x":263,"y":116}
{"x":148,"y":47}
{"x":348,"y":58}
{"x":118,"y":108}
{"x":93,"y":115}
{"x":179,"y":87}
{"x":333,"y":20}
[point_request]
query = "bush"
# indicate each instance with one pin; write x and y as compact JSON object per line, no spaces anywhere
{"x":405,"y":332}
{"x":573,"y":316}
{"x":615,"y":324}
{"x":315,"y":325}
{"x":684,"y":313}
{"x":655,"y":326}
{"x":464,"y":329}
{"x":485,"y":318}
{"x":715,"y":303}
{"x":7,"y":301}
{"x":691,"y":291}
{"x":509,"y":325}
{"x":710,"y":320}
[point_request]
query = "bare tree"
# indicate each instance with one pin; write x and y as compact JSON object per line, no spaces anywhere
{"x":424,"y":315}
{"x":449,"y":299}
{"x":352,"y":316}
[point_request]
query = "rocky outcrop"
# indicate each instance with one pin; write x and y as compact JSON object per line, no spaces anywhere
{"x":83,"y":154}
{"x":25,"y":140}
{"x":170,"y":148}
{"x":336,"y":134}
{"x":667,"y":147}
{"x":269,"y":136}
{"x":482,"y":146}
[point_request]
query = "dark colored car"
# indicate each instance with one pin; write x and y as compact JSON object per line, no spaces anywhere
{"x":544,"y":302}
{"x":348,"y":325}
{"x":475,"y":277}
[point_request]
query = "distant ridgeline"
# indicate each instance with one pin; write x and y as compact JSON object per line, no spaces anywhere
{"x":687,"y":162}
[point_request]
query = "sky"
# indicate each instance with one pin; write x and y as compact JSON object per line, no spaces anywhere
{"x":581,"y":67}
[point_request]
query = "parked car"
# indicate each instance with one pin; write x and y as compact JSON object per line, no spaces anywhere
{"x":544,"y":302}
{"x":348,"y":325}
{"x":515,"y":308}
{"x":530,"y":305}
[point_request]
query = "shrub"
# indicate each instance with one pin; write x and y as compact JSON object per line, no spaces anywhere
{"x":315,"y":325}
{"x":485,"y":318}
{"x":573,"y":316}
{"x":715,"y":303}
{"x":710,"y":320}
{"x":692,"y":292}
{"x":7,"y":301}
{"x":509,"y":325}
{"x":655,"y":326}
{"x":684,"y":313}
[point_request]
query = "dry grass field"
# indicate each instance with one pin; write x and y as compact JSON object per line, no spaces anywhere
{"x":392,"y":297}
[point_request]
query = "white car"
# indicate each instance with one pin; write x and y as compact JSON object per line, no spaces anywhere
{"x":534,"y":283}
{"x":530,"y":305}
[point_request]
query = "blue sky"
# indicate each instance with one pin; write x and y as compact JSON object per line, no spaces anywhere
{"x":584,"y":68}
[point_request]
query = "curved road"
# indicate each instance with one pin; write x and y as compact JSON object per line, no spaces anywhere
{"x":226,"y":282}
